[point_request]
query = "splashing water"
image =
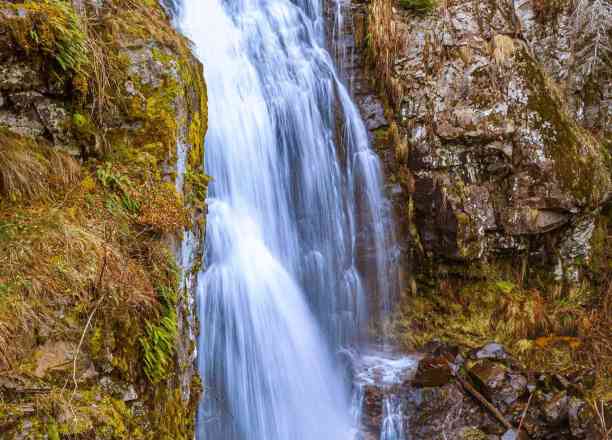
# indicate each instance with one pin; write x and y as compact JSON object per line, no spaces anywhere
{"x":296,"y":198}
{"x":385,"y":372}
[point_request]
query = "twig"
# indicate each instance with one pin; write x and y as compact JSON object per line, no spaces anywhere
{"x":524,"y":413}
{"x":602,"y":420}
{"x":87,"y":324}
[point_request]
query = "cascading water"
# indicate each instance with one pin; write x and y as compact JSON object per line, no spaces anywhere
{"x":288,"y":207}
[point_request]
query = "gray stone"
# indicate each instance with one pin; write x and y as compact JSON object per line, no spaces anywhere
{"x":26,"y":124}
{"x":23,"y":100}
{"x":372,"y":111}
{"x":55,"y":119}
{"x":556,"y":408}
{"x":19,"y":76}
{"x":492,"y":350}
{"x":129,"y":394}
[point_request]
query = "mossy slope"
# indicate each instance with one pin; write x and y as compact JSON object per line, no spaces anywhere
{"x":91,"y":303}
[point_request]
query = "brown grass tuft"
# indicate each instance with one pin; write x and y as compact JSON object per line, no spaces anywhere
{"x":28,"y":170}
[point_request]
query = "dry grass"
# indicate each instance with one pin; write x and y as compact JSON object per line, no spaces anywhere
{"x":28,"y":170}
{"x":22,"y":173}
{"x":503,"y":49}
{"x":383,"y":37}
{"x":48,"y":268}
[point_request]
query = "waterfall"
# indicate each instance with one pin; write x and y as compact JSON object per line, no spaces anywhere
{"x":295,"y":212}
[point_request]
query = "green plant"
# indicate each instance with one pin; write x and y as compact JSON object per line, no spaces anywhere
{"x":160,"y":338}
{"x":111,"y":179}
{"x":199,"y":183}
{"x":53,"y":28}
{"x":418,"y":6}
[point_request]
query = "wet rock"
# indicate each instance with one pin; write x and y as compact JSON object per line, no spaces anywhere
{"x":501,"y":385}
{"x":490,"y":376}
{"x":492,"y":350}
{"x":433,"y":371}
{"x":441,"y":349}
{"x":525,"y":220}
{"x":513,"y":434}
{"x":373,"y":408}
{"x":492,"y":151}
{"x":446,"y":410}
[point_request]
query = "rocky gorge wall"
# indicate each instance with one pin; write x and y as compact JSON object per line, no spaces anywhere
{"x":102,"y":121}
{"x":493,"y":123}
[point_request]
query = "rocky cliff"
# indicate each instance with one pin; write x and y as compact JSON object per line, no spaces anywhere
{"x":102,"y":120}
{"x":493,"y":122}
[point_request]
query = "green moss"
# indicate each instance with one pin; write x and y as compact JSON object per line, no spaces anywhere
{"x":52,"y":431}
{"x":473,"y":434}
{"x":197,"y":186}
{"x":418,"y":6}
{"x":577,"y":155}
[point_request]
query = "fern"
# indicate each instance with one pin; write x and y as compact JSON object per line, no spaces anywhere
{"x":160,"y":337}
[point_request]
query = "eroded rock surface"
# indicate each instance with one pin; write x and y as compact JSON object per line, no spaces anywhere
{"x":497,"y":139}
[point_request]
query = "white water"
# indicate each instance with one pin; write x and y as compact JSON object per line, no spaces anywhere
{"x":287,"y":209}
{"x":385,"y":372}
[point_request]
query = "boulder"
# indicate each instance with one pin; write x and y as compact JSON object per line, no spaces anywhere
{"x":433,"y":371}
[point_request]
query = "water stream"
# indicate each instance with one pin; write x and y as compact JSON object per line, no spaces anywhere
{"x":296,"y":211}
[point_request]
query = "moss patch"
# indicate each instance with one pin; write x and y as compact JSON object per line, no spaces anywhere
{"x":579,"y":159}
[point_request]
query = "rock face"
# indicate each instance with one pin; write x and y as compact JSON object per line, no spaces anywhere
{"x":491,"y":123}
{"x":102,"y":121}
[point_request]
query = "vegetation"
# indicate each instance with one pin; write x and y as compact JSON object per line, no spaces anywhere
{"x":545,"y":325}
{"x":418,"y":6}
{"x":159,"y":341}
{"x":87,"y":278}
{"x":53,"y":28}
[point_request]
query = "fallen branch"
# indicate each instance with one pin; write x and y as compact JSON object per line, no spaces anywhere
{"x":482,"y":399}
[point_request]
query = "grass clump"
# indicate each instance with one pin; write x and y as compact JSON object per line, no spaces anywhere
{"x":30,"y":170}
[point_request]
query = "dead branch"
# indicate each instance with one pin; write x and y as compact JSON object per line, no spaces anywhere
{"x":525,"y":412}
{"x":482,"y":399}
